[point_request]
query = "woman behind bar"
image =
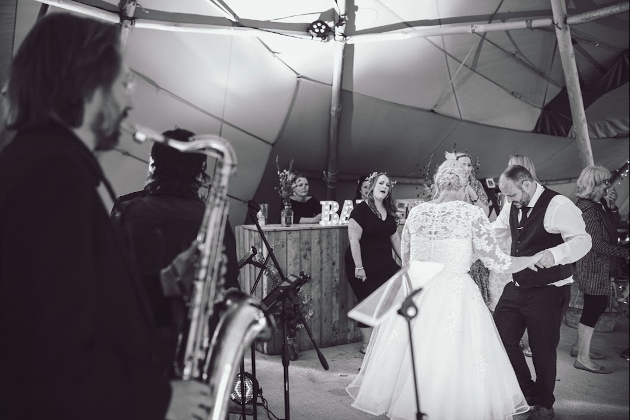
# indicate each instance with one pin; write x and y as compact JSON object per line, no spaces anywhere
{"x":373,"y":234}
{"x":306,"y":209}
{"x":601,"y":221}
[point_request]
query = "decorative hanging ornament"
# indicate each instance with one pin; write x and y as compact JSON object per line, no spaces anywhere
{"x":319,"y":29}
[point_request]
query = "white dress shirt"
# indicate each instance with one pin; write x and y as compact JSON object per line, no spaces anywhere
{"x":562,"y":217}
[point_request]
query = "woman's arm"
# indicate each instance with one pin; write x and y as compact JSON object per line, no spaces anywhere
{"x":314,"y":207}
{"x":476,"y":196}
{"x":395,"y":239}
{"x":311,"y":220}
{"x":521,"y":263}
{"x":354,"y":234}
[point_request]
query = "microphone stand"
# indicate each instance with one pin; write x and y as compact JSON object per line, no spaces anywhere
{"x":248,"y":259}
{"x":283,"y":298}
{"x":409,"y":310}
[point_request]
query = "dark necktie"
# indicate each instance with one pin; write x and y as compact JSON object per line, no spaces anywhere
{"x":524,"y":212}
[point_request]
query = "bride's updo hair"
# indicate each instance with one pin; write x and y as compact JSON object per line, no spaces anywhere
{"x":450,"y":176}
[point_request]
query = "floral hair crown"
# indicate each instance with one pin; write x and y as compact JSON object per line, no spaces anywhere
{"x":371,"y":176}
{"x":375,"y":174}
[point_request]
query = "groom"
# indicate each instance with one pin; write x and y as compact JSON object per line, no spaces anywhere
{"x":538,"y":220}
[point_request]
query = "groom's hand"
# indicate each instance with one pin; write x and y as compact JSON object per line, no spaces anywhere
{"x":547,"y":260}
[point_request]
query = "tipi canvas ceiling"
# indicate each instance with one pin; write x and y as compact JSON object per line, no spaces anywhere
{"x":404,"y":97}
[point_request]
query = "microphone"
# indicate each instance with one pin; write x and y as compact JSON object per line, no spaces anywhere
{"x":247,"y":258}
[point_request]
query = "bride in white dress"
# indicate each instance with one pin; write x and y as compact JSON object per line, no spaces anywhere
{"x":463,"y":370}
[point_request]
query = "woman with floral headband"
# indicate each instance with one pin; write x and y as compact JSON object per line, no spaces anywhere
{"x":373,"y":234}
{"x":474,"y":194}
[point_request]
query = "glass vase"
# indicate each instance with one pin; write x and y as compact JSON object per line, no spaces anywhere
{"x":286,"y":216}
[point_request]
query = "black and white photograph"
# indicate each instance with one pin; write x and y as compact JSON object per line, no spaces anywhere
{"x":314,"y":210}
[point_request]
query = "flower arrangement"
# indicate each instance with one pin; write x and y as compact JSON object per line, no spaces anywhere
{"x":286,"y":177}
{"x":293,"y":321}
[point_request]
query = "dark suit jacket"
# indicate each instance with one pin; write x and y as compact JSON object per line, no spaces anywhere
{"x":78,"y":338}
{"x":161,"y":225}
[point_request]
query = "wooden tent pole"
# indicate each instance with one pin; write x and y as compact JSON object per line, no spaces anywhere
{"x":43,"y":10}
{"x":335,"y":102}
{"x":126,"y":13}
{"x":474,"y":28}
{"x":567,"y":56}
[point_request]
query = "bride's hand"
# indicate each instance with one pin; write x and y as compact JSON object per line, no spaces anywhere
{"x":534,"y":261}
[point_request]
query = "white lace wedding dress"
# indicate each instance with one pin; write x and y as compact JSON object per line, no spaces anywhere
{"x":463,"y":370}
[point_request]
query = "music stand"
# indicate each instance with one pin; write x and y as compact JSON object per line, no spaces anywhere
{"x":397,"y":295}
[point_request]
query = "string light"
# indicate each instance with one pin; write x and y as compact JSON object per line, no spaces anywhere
{"x":345,"y":212}
{"x":329,"y":213}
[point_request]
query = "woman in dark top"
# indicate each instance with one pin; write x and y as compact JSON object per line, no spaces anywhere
{"x":594,"y":269}
{"x":306,"y":209}
{"x":363,"y":188}
{"x":373,"y":234}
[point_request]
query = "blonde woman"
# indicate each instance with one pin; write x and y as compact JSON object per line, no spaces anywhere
{"x":601,"y":219}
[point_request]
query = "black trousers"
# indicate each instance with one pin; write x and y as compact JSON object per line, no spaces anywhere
{"x":540,"y":310}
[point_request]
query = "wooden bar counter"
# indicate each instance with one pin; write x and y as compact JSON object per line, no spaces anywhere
{"x":319,"y":252}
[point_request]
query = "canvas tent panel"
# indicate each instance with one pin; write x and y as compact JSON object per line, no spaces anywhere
{"x":253,"y":69}
{"x":481,"y":100}
{"x":306,"y":132}
{"x":612,"y":153}
{"x":192,"y":66}
{"x":510,"y":59}
{"x":306,"y":58}
{"x":404,"y":72}
{"x":252,"y":155}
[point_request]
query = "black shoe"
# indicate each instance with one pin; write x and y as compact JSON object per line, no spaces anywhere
{"x":600,"y":369}
{"x":541,"y":413}
{"x":625,"y":354}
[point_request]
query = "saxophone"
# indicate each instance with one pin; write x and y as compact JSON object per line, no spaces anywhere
{"x":214,"y":360}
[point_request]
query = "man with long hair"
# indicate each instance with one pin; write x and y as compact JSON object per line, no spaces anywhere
{"x":78,"y":335}
{"x":163,"y":219}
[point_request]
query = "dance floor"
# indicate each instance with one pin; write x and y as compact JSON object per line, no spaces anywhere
{"x":317,"y":394}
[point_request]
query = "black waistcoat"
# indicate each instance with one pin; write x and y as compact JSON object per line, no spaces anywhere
{"x":533,"y":238}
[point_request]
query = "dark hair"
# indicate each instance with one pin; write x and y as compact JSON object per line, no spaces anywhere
{"x":517,"y":173}
{"x":388,"y":202}
{"x":61,"y":62}
{"x":360,"y":181}
{"x":174,"y":168}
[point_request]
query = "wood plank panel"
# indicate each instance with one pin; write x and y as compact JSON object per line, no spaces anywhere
{"x":319,"y":252}
{"x":326,"y":288}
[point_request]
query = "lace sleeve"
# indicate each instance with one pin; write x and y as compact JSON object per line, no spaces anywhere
{"x":481,"y":193}
{"x":485,"y":245}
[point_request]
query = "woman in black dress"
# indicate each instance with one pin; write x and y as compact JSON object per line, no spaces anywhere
{"x":306,"y":209}
{"x":373,"y":234}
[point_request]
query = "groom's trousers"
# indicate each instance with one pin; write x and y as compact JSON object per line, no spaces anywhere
{"x":540,"y":310}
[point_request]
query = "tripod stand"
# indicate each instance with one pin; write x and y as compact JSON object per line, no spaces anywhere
{"x":285,"y":295}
